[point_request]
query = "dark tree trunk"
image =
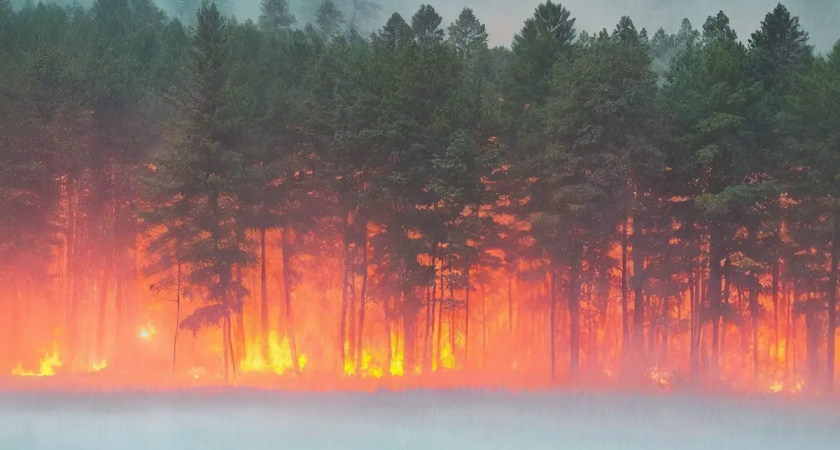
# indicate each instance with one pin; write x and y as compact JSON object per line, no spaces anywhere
{"x":666,"y":326}
{"x":264,"y":312}
{"x":510,"y":302}
{"x":812,"y":342}
{"x":714,"y":286}
{"x":177,"y":310}
{"x":287,"y":292}
{"x":409,"y":341}
{"x":625,"y":323}
{"x":574,"y":314}
{"x":429,"y":329}
{"x":362,"y":300}
{"x":389,"y":312}
{"x":774,"y":282}
{"x":345,"y":284}
{"x":351,"y":320}
{"x":831,"y":303}
{"x":439,"y":320}
{"x":638,"y":288}
{"x":483,"y":328}
{"x":240,"y":318}
{"x":552,"y":323}
{"x":73,"y":282}
{"x":755,"y":313}
{"x":467,"y":319}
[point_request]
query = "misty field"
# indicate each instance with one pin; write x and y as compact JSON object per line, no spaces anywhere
{"x":413,"y":420}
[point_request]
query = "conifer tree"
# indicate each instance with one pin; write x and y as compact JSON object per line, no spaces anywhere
{"x":195,"y":184}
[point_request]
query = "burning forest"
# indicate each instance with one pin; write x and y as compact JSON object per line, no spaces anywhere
{"x":215,"y":202}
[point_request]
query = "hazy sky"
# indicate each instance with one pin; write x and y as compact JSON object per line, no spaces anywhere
{"x":505,"y":17}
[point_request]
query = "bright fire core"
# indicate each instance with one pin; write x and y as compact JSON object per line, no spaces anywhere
{"x":499,"y":336}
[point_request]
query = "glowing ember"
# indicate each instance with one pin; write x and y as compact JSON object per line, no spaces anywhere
{"x":48,"y":364}
{"x":148,"y":333}
{"x":776,"y":387}
{"x":659,"y":377}
{"x":197,"y":372}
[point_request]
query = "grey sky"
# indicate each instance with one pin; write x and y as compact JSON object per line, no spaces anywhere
{"x":821,"y":18}
{"x":505,"y":17}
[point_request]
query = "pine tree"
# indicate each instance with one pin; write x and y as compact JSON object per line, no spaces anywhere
{"x":395,"y":34}
{"x":426,"y":26}
{"x":275,"y":17}
{"x":810,"y":121}
{"x":545,"y":38}
{"x":467,"y":32}
{"x":708,"y":100}
{"x":779,"y":47}
{"x":195,"y":184}
{"x":330,"y":20}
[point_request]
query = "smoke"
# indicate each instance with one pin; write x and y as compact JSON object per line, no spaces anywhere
{"x":505,"y":17}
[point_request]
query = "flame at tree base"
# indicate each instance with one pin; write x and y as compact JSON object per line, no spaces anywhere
{"x":49,"y":362}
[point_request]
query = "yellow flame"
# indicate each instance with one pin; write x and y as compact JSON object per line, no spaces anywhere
{"x":98,"y":366}
{"x":776,"y":387}
{"x":279,"y":356}
{"x":47,"y":365}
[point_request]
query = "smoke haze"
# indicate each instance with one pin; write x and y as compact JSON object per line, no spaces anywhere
{"x":505,"y":17}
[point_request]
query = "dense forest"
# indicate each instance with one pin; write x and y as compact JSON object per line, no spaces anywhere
{"x":220,"y":199}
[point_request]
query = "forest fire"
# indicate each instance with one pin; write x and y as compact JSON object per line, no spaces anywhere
{"x":410,"y":230}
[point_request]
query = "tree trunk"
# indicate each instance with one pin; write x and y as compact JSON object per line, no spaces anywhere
{"x":483,"y":328}
{"x":451,"y":312}
{"x":345,"y":283}
{"x":409,"y":340}
{"x":552,"y":323}
{"x":351,"y":318}
{"x":439,"y":320}
{"x":638,"y":289}
{"x":574,"y":314}
{"x":264,"y":313}
{"x":73,"y":284}
{"x":755,"y":312}
{"x":226,"y":347}
{"x":467,"y":319}
{"x":389,"y":313}
{"x":428,"y":329}
{"x":287,"y":292}
{"x":666,"y":326}
{"x":625,"y":325}
{"x":812,"y":342}
{"x":774,"y":282}
{"x":240,"y":318}
{"x":714,"y":286}
{"x":831,"y":300}
{"x":362,"y":300}
{"x":510,"y":302}
{"x":177,"y":310}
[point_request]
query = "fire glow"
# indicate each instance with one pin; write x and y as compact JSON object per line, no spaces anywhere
{"x":503,"y":342}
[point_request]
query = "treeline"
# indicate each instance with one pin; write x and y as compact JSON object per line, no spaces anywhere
{"x":681,"y":183}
